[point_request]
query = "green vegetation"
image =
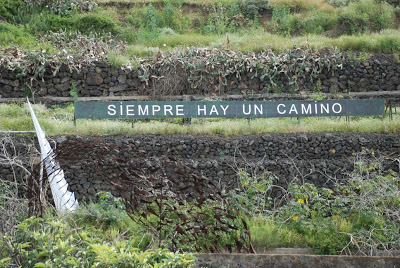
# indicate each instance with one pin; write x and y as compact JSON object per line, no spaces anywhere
{"x":59,"y":121}
{"x":146,"y":27}
{"x":357,"y":215}
{"x":97,"y":235}
{"x":11,"y":34}
{"x":358,"y":17}
{"x":9,"y":8}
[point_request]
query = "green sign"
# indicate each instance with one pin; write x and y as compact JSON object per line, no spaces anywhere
{"x":227,"y":109}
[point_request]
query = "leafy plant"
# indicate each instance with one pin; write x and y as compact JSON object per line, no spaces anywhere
{"x":82,"y":50}
{"x":53,"y":242}
{"x":65,"y":7}
{"x":73,"y":93}
{"x":211,"y":68}
{"x":254,"y":196}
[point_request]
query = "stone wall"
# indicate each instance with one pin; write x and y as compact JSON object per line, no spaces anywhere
{"x":377,"y":73}
{"x":317,"y":158}
{"x":313,"y":158}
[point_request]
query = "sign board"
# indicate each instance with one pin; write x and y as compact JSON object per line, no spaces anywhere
{"x":227,"y":109}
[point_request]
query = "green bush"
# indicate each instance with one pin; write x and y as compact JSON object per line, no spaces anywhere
{"x":170,"y":16}
{"x":12,"y":34}
{"x":53,"y":242}
{"x":9,"y":8}
{"x":233,"y":17}
{"x":96,"y":235}
{"x":317,"y":23}
{"x":48,"y":21}
{"x":95,"y":22}
{"x":365,"y":16}
{"x":152,"y":18}
{"x":149,"y":18}
{"x":217,"y":21}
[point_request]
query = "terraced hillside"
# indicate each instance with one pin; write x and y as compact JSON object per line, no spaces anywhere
{"x":150,"y":186}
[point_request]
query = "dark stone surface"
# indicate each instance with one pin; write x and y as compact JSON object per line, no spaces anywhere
{"x":380,"y":72}
{"x":319,"y":158}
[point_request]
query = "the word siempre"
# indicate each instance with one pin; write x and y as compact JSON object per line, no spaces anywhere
{"x":132,"y":110}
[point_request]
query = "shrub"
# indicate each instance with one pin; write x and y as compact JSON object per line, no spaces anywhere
{"x":318,"y":22}
{"x":217,"y":21}
{"x":172,"y":16}
{"x":232,"y":17}
{"x":117,"y":60}
{"x":53,"y":242}
{"x":11,"y":34}
{"x":46,"y":21}
{"x":299,"y":5}
{"x":152,"y":19}
{"x":167,"y":31}
{"x":75,"y":50}
{"x":94,"y":22}
{"x":9,"y":8}
{"x":366,"y":15}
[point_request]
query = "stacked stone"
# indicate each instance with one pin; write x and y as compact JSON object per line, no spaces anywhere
{"x":315,"y":158}
{"x":379,"y":73}
{"x":318,"y":158}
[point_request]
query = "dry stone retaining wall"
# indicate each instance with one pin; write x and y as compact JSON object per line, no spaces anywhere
{"x":318,"y":158}
{"x":378,"y":73}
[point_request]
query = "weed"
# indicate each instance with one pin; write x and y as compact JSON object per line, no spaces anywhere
{"x":317,"y":93}
{"x":117,"y":60}
{"x":396,"y":57}
{"x":73,"y":92}
{"x":361,"y":56}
